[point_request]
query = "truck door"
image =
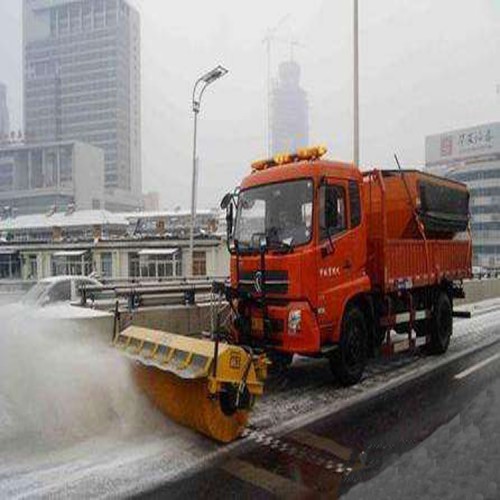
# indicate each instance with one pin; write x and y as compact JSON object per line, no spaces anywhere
{"x":336,"y":252}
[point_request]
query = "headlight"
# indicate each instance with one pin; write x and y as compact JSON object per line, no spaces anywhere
{"x":294,"y":321}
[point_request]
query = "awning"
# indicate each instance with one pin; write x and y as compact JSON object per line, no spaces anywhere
{"x":70,"y":253}
{"x":8,"y":251}
{"x":158,"y":251}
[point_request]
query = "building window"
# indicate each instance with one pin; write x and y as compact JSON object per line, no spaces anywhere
{"x":63,"y":21}
{"x":156,"y":266}
{"x":133,"y":265}
{"x":50,"y":169}
{"x":199,"y":263}
{"x":32,"y":267}
{"x":87,"y":17}
{"x":10,"y":266}
{"x":75,"y":18}
{"x":36,"y":169}
{"x":65,"y":166}
{"x":6,"y":175}
{"x":72,"y":265}
{"x":53,"y":22}
{"x":107,"y":265}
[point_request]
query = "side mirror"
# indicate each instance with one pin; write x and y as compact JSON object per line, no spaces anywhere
{"x":229,"y":221}
{"x":228,"y":197}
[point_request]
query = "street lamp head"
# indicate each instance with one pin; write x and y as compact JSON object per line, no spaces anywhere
{"x":214,"y":74}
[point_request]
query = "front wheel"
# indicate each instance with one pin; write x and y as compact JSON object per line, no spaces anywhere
{"x":349,"y":360}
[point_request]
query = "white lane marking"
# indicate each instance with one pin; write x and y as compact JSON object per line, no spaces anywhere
{"x":477,"y":366}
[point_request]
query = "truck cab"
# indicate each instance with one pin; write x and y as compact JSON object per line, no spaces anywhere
{"x":298,"y":246}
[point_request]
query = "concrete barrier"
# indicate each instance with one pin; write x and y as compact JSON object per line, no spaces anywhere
{"x":185,"y":320}
{"x":483,"y":289}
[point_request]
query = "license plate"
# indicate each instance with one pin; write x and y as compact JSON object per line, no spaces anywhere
{"x":257,"y":324}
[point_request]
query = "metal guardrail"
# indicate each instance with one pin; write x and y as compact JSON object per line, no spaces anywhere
{"x":135,"y":295}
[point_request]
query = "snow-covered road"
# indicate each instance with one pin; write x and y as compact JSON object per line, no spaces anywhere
{"x":72,"y":424}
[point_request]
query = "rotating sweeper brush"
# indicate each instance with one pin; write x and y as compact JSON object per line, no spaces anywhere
{"x":206,"y":385}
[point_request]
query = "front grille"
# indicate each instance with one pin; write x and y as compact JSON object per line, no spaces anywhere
{"x":275,"y":282}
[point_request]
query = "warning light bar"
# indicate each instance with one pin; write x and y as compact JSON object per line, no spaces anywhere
{"x":304,"y":154}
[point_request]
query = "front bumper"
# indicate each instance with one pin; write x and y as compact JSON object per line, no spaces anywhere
{"x":283,"y":336}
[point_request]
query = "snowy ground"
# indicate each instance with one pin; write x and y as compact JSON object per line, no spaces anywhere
{"x":72,"y":423}
{"x":458,"y":461}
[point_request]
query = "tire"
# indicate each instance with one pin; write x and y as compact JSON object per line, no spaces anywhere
{"x":441,"y":325}
{"x":348,"y":362}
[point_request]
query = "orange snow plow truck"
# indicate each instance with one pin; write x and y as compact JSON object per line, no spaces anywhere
{"x":326,"y":260}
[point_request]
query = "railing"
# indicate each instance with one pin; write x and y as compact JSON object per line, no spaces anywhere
{"x":134,"y":295}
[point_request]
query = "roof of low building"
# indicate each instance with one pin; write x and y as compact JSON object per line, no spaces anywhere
{"x":159,"y":214}
{"x":78,"y":218}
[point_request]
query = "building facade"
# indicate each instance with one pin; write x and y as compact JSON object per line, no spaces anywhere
{"x":105,"y":244}
{"x":289,"y":111}
{"x":4,"y":112}
{"x":472,"y":156}
{"x":51,"y":177}
{"x":82,"y":82}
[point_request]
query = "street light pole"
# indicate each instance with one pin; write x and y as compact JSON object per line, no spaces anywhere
{"x":356,"y":84}
{"x":199,"y":88}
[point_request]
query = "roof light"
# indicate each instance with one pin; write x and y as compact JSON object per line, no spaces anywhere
{"x":282,"y":159}
{"x":260,"y":165}
{"x":304,"y":154}
{"x":312,"y":153}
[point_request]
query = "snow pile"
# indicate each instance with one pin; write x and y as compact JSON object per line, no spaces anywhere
{"x":58,"y":387}
{"x":460,"y":460}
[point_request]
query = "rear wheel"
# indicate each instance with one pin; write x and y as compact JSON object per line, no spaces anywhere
{"x":441,"y":325}
{"x":349,"y":360}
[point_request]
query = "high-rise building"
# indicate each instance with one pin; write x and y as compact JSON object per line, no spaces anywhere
{"x":82,"y":82}
{"x":473,"y":156}
{"x":4,"y":112}
{"x":289,"y":111}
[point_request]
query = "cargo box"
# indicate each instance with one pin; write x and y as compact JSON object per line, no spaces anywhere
{"x":400,"y":254}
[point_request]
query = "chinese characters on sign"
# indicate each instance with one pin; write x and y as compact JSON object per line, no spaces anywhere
{"x":476,"y":139}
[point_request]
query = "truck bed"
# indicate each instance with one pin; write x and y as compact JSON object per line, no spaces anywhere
{"x":407,"y":263}
{"x":402,"y":255}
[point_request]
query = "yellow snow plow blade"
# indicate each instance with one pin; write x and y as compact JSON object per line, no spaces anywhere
{"x":198,"y":384}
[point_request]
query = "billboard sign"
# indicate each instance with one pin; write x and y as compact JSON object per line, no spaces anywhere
{"x":462,"y":144}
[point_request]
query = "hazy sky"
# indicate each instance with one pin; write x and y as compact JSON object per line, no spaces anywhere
{"x":426,"y":66}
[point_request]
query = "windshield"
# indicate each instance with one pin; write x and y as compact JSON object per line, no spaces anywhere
{"x":34,"y":294}
{"x":282,"y":212}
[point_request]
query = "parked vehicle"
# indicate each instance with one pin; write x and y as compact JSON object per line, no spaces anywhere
{"x":57,"y":289}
